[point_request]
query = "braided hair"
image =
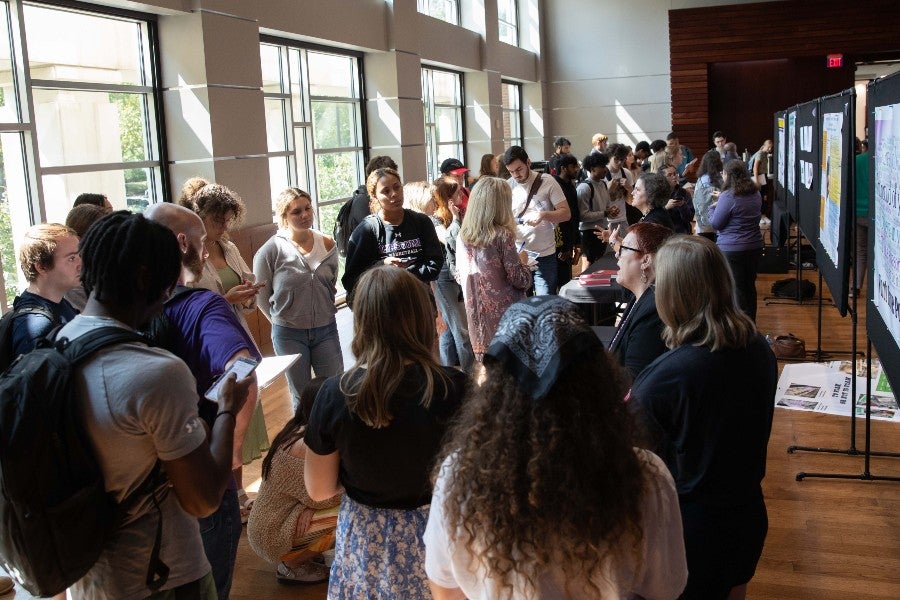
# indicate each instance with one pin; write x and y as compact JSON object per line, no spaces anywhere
{"x":116,"y":247}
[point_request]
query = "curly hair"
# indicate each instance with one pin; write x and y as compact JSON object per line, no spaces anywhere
{"x":215,"y":200}
{"x":555,"y":482}
{"x":657,"y":188}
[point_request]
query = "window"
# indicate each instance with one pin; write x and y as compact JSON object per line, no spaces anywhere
{"x":79,"y":116}
{"x":445,"y":10}
{"x":511,"y":96}
{"x":442,"y":96}
{"x":508,"y":15}
{"x":314,"y":124}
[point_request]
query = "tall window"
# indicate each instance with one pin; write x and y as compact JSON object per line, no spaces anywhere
{"x":78,"y":116}
{"x":442,"y":96}
{"x":314,"y":124}
{"x":445,"y":10}
{"x":508,"y":15}
{"x":511,"y":96}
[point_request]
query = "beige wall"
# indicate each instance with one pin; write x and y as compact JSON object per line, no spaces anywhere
{"x":215,"y":120}
{"x":608,"y":68}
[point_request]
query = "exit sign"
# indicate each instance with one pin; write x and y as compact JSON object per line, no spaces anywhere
{"x":835,"y":61}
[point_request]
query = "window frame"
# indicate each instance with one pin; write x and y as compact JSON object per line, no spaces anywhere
{"x":34,"y":207}
{"x":424,"y":7}
{"x":432,"y":144}
{"x":513,"y":25}
{"x":305,"y":125}
{"x":518,"y":113}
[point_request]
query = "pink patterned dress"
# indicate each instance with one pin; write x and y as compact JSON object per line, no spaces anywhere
{"x":492,"y":279}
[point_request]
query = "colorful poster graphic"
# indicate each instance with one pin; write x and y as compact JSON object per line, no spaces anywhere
{"x":826,"y":388}
{"x":781,"y":151}
{"x":886,"y":262}
{"x":792,"y":154}
{"x":830,"y":194}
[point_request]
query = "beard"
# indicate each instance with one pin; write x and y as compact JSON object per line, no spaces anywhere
{"x":193,"y":261}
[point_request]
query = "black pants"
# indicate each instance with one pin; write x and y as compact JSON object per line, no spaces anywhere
{"x":743,"y":265}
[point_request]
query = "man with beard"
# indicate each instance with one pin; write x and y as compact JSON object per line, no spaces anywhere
{"x":204,"y":332}
{"x":140,"y":408}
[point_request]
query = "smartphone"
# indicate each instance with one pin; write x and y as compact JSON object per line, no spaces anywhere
{"x":242,"y":367}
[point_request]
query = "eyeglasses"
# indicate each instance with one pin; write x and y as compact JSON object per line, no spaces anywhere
{"x":624,"y":247}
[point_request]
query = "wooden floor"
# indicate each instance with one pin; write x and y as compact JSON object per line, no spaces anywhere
{"x":828,"y":539}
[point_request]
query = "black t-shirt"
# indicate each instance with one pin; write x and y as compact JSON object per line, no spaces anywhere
{"x":388,"y":467}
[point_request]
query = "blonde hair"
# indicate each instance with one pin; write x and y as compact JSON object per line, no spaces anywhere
{"x":38,"y":247}
{"x":598,"y":137}
{"x":284,"y":199}
{"x":417,"y":195}
{"x":393,"y":326}
{"x":489,"y":210}
{"x":685,"y":264}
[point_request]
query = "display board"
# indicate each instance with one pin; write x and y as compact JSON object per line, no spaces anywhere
{"x":778,"y":155}
{"x":808,"y":151}
{"x":836,"y":211}
{"x":790,"y":163}
{"x":883,"y":307}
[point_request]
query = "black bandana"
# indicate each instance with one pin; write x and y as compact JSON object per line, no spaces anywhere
{"x":536,"y":340}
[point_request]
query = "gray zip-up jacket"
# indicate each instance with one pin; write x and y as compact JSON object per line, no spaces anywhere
{"x":295,"y":295}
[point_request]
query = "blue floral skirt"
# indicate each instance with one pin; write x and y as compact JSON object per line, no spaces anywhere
{"x":379,"y":553}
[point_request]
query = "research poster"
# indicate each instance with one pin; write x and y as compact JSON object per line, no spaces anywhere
{"x":886,"y":296}
{"x":781,"y":151}
{"x":792,"y":154}
{"x":830,"y":188}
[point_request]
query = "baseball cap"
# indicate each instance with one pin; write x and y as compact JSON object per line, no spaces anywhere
{"x":453,"y":166}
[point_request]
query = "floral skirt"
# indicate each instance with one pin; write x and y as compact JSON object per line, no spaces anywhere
{"x":379,"y":553}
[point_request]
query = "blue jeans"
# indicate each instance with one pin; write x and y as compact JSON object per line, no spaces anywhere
{"x":454,"y":344}
{"x":221,"y":532}
{"x":545,"y":276}
{"x":319,"y":348}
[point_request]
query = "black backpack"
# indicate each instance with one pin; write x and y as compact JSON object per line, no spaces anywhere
{"x":7,"y":356}
{"x":342,"y":229}
{"x":55,"y":513}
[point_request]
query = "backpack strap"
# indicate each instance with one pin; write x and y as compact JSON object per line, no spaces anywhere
{"x":534,"y":188}
{"x":85,"y":345}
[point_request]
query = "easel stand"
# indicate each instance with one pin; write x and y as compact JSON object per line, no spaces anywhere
{"x":867,"y":453}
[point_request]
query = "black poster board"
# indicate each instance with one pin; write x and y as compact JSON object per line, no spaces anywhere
{"x":883,"y":298}
{"x":834,"y":174}
{"x":809,"y":149}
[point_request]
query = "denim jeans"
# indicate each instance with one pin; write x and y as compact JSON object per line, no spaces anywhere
{"x":221,"y":532}
{"x":454,"y":345}
{"x":319,"y":348}
{"x":545,"y":276}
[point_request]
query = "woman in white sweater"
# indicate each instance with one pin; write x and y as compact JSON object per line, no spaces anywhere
{"x":298,"y":267}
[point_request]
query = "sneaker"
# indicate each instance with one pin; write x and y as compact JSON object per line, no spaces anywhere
{"x":6,"y":585}
{"x":308,"y":572}
{"x":765,"y":223}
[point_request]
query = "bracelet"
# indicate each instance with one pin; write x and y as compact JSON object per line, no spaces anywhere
{"x":225,"y":412}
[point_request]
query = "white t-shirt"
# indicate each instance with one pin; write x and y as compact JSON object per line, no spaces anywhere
{"x":662,"y":573}
{"x":141,"y":403}
{"x":549,"y":196}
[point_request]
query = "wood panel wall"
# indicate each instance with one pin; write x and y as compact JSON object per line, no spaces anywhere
{"x":793,"y":29}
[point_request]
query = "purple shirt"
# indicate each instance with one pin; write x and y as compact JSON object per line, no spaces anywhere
{"x":210,"y":335}
{"x":736,"y":219}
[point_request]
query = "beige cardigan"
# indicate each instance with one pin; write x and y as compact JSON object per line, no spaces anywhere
{"x":210,"y":278}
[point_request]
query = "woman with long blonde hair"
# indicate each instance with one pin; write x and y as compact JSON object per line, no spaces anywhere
{"x":493,"y":275}
{"x":376,"y":430}
{"x":707,"y":407}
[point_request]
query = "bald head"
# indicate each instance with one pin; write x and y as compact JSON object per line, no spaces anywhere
{"x":188,"y":228}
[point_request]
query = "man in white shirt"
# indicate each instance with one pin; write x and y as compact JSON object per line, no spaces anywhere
{"x":536,"y":215}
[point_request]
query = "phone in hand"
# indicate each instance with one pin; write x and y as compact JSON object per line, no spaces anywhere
{"x":243,"y":367}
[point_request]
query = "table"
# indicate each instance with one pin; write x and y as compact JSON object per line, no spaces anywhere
{"x":596,"y":294}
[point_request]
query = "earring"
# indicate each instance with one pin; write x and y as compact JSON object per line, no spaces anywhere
{"x":643,"y":276}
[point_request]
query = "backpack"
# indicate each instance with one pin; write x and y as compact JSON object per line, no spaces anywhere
{"x":6,"y":330}
{"x":790,"y":288}
{"x":55,"y":511}
{"x":342,"y":231}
